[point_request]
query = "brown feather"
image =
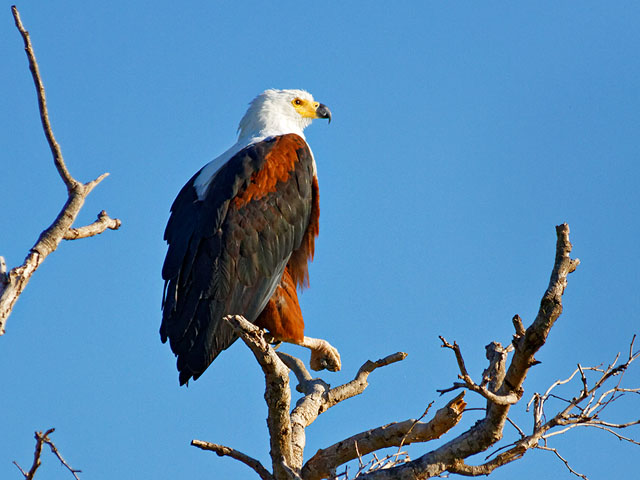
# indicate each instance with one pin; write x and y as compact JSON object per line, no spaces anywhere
{"x":278,"y":166}
{"x":282,"y":315}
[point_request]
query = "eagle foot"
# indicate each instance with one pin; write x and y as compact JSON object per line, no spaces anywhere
{"x":323,"y":355}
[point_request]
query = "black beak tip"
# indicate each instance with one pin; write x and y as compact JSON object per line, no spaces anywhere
{"x":323,"y":112}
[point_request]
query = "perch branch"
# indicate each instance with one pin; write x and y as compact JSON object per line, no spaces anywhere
{"x":320,"y":397}
{"x":221,"y":450}
{"x":13,"y":284}
{"x":305,"y":381}
{"x":277,"y":395}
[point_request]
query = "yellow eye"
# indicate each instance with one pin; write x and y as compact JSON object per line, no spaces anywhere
{"x":297,"y":101}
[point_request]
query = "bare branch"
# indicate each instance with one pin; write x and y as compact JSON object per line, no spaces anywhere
{"x":13,"y":284}
{"x":55,"y":451}
{"x":508,"y":399}
{"x":555,"y":451}
{"x":501,"y":386}
{"x":36,"y":455}
{"x":614,"y":433}
{"x":359,"y":383}
{"x":68,"y":180}
{"x":277,"y":395}
{"x":42,"y":438}
{"x":513,"y":424}
{"x":391,"y":435}
{"x":103,"y":223}
{"x":305,"y":381}
{"x":20,"y":468}
{"x":489,"y":430}
{"x":221,"y":450}
{"x":320,"y":397}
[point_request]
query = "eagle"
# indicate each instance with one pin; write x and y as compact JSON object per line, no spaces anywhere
{"x":240,"y":236}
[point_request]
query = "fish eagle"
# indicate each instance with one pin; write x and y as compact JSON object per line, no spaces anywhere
{"x":240,"y":235}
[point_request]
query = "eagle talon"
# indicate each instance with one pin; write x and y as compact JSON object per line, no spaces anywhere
{"x":324,"y":357}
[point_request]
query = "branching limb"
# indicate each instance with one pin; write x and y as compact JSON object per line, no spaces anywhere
{"x":221,"y":450}
{"x":42,"y":438}
{"x":450,"y":456}
{"x":501,"y":386}
{"x":596,"y":401}
{"x":562,"y":422}
{"x":36,"y":455}
{"x":319,"y":397}
{"x":14,"y":283}
{"x":392,"y":435}
{"x":509,"y":399}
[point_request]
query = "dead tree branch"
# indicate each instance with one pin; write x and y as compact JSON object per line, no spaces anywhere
{"x":13,"y":284}
{"x":485,"y":433}
{"x":222,"y":451}
{"x":103,"y":223}
{"x":287,"y":430}
{"x":42,"y":438}
{"x":392,"y":435}
{"x":501,"y":385}
{"x":320,"y":397}
{"x":277,"y":394}
{"x":510,"y":399}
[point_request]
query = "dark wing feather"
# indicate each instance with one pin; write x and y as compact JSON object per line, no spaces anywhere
{"x":226,"y":256}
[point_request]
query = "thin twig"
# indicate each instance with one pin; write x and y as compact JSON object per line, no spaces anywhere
{"x":68,"y":180}
{"x":563,"y":461}
{"x":55,"y":451}
{"x":21,"y":470}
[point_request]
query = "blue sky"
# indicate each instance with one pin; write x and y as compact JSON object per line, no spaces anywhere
{"x":462,"y":133}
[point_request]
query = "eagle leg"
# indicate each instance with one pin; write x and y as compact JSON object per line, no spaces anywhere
{"x":282,"y":318}
{"x":323,"y":354}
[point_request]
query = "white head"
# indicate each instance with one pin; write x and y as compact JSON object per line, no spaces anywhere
{"x":277,"y":112}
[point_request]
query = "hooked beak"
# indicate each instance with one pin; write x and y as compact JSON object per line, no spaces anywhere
{"x":322,"y":111}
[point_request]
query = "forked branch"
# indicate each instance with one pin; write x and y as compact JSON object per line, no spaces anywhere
{"x":41,"y":439}
{"x":501,"y":385}
{"x":287,"y":430}
{"x":13,"y":283}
